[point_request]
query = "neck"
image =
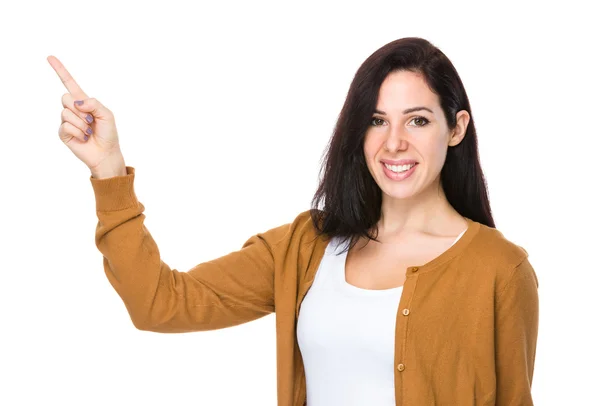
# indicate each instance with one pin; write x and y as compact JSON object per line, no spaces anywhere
{"x":427,"y":213}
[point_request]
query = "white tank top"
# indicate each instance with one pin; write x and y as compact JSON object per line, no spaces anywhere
{"x":346,"y":336}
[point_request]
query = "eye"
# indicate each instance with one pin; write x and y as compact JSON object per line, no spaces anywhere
{"x":420,"y":118}
{"x":375,"y":118}
{"x":423,"y":119}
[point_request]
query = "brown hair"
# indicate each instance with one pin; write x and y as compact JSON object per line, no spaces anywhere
{"x":349,"y":196}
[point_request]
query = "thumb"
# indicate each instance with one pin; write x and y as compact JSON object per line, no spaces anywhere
{"x":94,"y":107}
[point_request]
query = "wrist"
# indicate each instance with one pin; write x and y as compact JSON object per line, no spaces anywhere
{"x":111,"y":167}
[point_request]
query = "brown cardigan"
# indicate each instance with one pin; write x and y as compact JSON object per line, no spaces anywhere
{"x":466,"y":327}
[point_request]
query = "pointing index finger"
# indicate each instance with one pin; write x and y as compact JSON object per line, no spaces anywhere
{"x":66,"y":78}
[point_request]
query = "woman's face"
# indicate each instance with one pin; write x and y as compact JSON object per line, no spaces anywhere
{"x":397,"y":131}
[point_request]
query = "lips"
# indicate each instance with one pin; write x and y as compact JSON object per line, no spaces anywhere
{"x":399,"y":176}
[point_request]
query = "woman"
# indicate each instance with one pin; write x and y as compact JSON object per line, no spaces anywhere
{"x":398,"y":290}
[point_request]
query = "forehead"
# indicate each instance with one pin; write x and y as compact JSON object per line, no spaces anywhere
{"x":404,"y":89}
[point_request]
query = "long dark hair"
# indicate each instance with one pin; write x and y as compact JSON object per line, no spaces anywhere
{"x":351,"y":198}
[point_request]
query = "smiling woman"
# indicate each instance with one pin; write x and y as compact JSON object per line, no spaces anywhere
{"x":402,"y":176}
{"x":406,"y":106}
{"x":436,"y":308}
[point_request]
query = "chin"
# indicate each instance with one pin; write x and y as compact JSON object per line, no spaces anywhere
{"x":398,"y":195}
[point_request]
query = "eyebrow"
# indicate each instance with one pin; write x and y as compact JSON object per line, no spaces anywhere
{"x":410,"y":110}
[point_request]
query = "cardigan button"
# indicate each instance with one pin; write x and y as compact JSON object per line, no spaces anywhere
{"x":405,"y":312}
{"x":400,"y":367}
{"x":415,"y":269}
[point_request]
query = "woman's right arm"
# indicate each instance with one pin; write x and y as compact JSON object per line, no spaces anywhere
{"x":227,"y":291}
{"x":223,"y":292}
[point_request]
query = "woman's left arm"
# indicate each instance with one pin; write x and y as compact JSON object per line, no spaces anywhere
{"x":516,"y":324}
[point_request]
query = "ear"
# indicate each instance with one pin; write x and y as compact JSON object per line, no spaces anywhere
{"x":462,"y":120}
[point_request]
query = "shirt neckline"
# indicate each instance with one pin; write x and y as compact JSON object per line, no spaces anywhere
{"x":473,"y":228}
{"x":463,"y":240}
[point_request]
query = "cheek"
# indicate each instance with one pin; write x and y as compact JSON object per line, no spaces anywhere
{"x":433,"y":147}
{"x":440,"y":151}
{"x":369,"y":151}
{"x":371,"y":145}
{"x":366,"y":147}
{"x":436,"y":157}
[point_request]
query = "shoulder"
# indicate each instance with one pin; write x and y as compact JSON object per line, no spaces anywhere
{"x":293,"y":247}
{"x":299,"y":233}
{"x":494,"y":255}
{"x":305,"y":233}
{"x":492,"y":244}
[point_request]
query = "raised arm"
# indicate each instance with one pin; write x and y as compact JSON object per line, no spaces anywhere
{"x":223,"y":292}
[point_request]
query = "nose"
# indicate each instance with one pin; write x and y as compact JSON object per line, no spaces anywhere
{"x":396,"y":140}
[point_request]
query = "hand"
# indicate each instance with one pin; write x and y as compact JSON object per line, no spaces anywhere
{"x":102,"y":145}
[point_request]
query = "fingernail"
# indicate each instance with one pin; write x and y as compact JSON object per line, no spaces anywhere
{"x":89,"y":131}
{"x":79,"y":102}
{"x":85,"y":137}
{"x":88,"y":118}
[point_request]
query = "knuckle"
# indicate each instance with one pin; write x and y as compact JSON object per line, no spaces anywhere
{"x":63,"y":129}
{"x":73,"y":130}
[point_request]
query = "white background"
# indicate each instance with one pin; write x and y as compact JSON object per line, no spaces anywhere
{"x":224,"y":109}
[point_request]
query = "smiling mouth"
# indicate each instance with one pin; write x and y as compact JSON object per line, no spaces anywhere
{"x":399,"y":168}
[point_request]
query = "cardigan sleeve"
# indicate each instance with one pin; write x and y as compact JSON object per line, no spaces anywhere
{"x":235,"y":288}
{"x":516,"y":330}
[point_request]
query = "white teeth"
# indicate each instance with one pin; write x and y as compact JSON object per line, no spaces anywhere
{"x":399,"y":168}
